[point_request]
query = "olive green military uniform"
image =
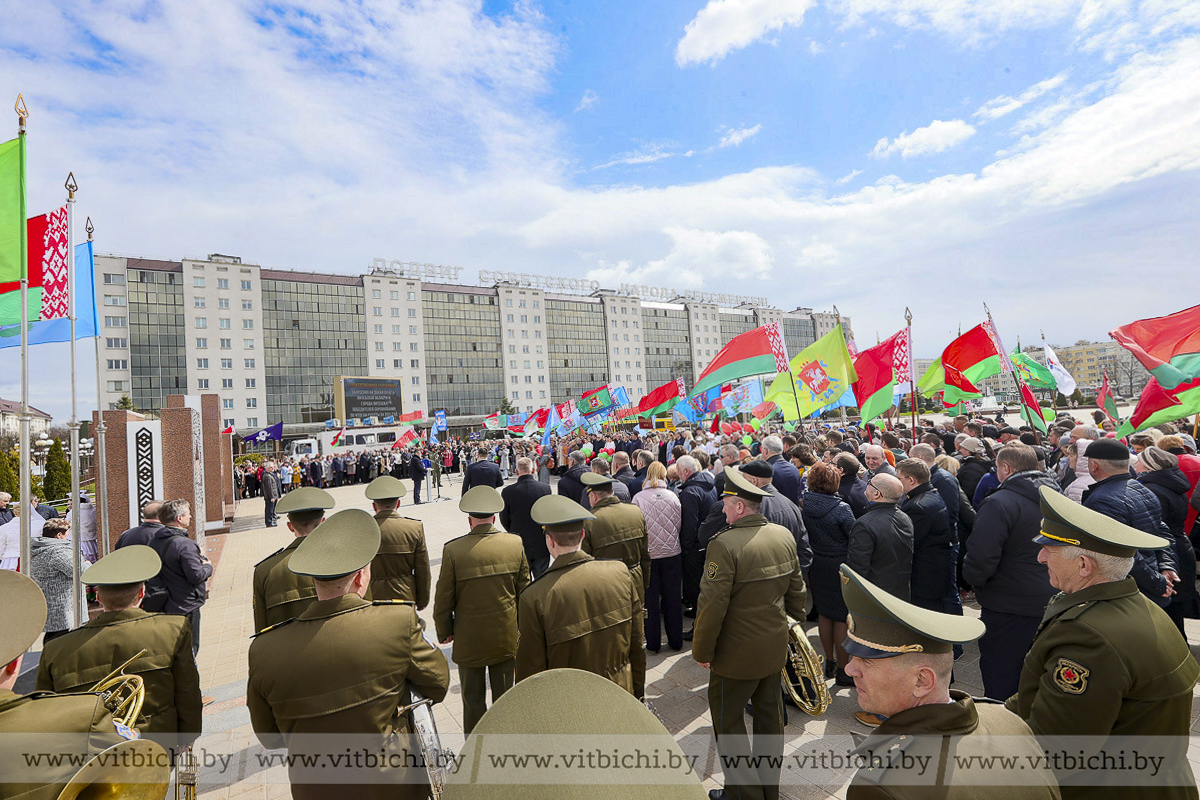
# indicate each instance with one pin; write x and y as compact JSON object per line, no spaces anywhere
{"x":344,"y":666}
{"x":585,"y":614}
{"x":77,"y":660}
{"x":400,"y":571}
{"x":1108,"y":662}
{"x":619,"y":533}
{"x":280,"y":594}
{"x":937,"y":741}
{"x":481,"y":577}
{"x":751,"y":584}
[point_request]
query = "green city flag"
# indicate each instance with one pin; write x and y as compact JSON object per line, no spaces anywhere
{"x":12,"y":209}
{"x":595,"y":401}
{"x":1033,"y":373}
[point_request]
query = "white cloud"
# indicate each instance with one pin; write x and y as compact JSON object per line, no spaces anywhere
{"x":815,"y":48}
{"x":849,"y":176}
{"x":643,"y":155}
{"x":1000,"y":106}
{"x":723,"y":26}
{"x":935,"y":137}
{"x":588,"y":100}
{"x":696,"y":255}
{"x":733,"y":138}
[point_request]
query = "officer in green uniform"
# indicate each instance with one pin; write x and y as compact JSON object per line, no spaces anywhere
{"x":475,"y":607}
{"x":400,"y":570}
{"x":78,"y":722}
{"x":581,"y":613}
{"x":751,"y":584}
{"x":344,"y":666}
{"x":1107,"y":662}
{"x":279,"y":593}
{"x":618,"y":530}
{"x":560,"y":712}
{"x":901,"y":659}
{"x":74,"y":662}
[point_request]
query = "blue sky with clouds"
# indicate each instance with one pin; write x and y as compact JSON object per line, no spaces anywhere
{"x":1040,"y":155}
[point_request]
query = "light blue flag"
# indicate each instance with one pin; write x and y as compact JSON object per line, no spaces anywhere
{"x":59,"y":330}
{"x":620,"y":396}
{"x":551,"y":425}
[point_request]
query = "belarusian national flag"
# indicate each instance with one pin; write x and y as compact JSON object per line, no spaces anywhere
{"x":756,"y":352}
{"x":407,"y":435}
{"x":1032,"y":372}
{"x":595,"y":400}
{"x":228,"y":430}
{"x":1167,"y":346}
{"x":958,"y":387}
{"x":1033,"y":411}
{"x":1158,"y":405}
{"x":876,"y":370}
{"x":337,"y":439}
{"x":662,"y":399}
{"x":1105,"y":401}
{"x":970,"y":358}
{"x":933,"y":379}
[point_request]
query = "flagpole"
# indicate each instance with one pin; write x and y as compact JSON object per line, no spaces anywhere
{"x":1054,"y":393}
{"x":26,"y":486}
{"x":98,"y":435}
{"x":912,"y":373}
{"x":80,"y":601}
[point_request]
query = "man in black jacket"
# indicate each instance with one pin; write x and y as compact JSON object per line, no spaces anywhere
{"x":933,"y":584}
{"x":697,"y":497}
{"x":1001,"y":564}
{"x":621,"y":470}
{"x":881,"y":541}
{"x":484,"y":472}
{"x":571,"y":484}
{"x":786,"y":477}
{"x":142,"y":534}
{"x":516,"y":517}
{"x":852,"y":488}
{"x":185,"y":570}
{"x":271,"y":490}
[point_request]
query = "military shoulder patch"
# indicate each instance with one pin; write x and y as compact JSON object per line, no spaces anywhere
{"x":712,"y":570}
{"x":273,"y":627}
{"x":1071,"y":676}
{"x":392,"y":603}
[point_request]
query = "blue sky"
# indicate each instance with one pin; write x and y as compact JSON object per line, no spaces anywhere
{"x":1039,"y":155}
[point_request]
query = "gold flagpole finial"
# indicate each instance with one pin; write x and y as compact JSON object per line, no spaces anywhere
{"x":988,"y":310}
{"x":20,"y":108}
{"x":70,"y":185}
{"x":837,"y":314}
{"x":908,"y":315}
{"x":90,"y":228}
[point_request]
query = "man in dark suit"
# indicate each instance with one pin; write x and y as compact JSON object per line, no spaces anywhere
{"x":483,"y":472}
{"x":316,"y":473}
{"x":272,"y":490}
{"x":571,"y":483}
{"x":43,"y":511}
{"x":516,"y":515}
{"x":787,"y":477}
{"x":142,"y":534}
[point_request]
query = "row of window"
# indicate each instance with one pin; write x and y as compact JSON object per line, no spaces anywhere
{"x":222,"y":302}
{"x":378,"y":312}
{"x":251,"y":422}
{"x":377,"y":294}
{"x":529,"y":396}
{"x":226,"y":363}
{"x":226,"y":383}
{"x":226,"y":344}
{"x":222,"y":283}
{"x":224,"y":323}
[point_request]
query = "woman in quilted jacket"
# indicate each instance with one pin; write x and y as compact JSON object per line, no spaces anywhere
{"x":664,"y":599}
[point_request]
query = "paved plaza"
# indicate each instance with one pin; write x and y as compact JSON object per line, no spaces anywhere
{"x":675,"y":684}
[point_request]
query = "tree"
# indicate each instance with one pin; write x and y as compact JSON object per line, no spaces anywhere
{"x":126,"y":403}
{"x":506,"y":406}
{"x":8,"y":475}
{"x":56,"y":484}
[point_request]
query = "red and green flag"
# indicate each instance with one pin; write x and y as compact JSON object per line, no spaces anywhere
{"x":1167,"y":346}
{"x":338,"y":438}
{"x":876,"y":368}
{"x":596,"y":400}
{"x":1032,"y":409}
{"x":1158,"y":405}
{"x":662,"y":399}
{"x":1106,"y":402}
{"x":970,"y":358}
{"x":760,"y":351}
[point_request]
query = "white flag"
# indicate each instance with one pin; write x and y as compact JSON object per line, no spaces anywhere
{"x":1066,"y":384}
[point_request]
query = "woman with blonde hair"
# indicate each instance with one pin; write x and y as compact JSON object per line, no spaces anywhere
{"x":664,"y":599}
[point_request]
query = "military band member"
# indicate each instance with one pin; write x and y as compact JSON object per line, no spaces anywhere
{"x":74,"y":662}
{"x":279,"y":593}
{"x":78,"y":721}
{"x":344,"y":666}
{"x":901,"y":658}
{"x":751,"y":584}
{"x":581,"y":613}
{"x":400,"y":570}
{"x":1106,"y":661}
{"x":618,"y":530}
{"x":475,"y":607}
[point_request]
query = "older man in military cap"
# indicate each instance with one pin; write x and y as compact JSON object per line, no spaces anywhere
{"x":475,"y":606}
{"x":278,"y":593}
{"x":751,"y":584}
{"x":617,"y":530}
{"x":400,"y":570}
{"x":74,"y":662}
{"x":901,"y":659}
{"x":346,"y":665}
{"x":580,"y":613}
{"x":79,"y":722}
{"x":1107,"y":661}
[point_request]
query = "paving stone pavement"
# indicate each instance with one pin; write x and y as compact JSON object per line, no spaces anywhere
{"x":675,"y":684}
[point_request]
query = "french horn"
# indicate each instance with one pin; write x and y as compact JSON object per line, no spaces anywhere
{"x":803,"y":674}
{"x":123,"y":694}
{"x":107,"y":776}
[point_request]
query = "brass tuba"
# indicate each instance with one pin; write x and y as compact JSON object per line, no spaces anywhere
{"x":123,"y":694}
{"x":804,"y":674}
{"x":109,"y":776}
{"x":435,"y":756}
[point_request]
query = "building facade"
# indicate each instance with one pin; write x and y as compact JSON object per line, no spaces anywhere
{"x":271,"y":342}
